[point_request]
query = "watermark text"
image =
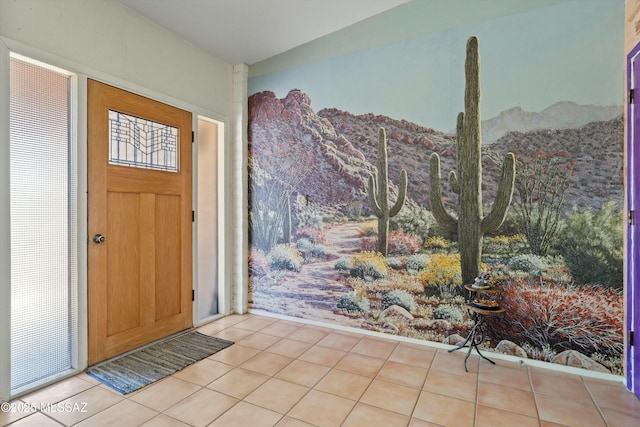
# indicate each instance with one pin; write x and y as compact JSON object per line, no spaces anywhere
{"x":43,"y":407}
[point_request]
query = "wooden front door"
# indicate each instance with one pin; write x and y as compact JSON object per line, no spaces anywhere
{"x":139,"y":198}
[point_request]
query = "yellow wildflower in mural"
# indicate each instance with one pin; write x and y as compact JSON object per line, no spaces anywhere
{"x":437,"y":242}
{"x":442,"y":270}
{"x":442,"y":276}
{"x":369,"y":264}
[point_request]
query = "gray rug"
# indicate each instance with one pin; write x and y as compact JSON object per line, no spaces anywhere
{"x":138,"y":369}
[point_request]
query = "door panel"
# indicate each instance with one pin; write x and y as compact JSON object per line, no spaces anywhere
{"x":168,"y":265}
{"x":140,"y":277}
{"x":123,"y":259}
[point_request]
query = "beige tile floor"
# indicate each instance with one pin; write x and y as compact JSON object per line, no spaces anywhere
{"x":284,"y":373}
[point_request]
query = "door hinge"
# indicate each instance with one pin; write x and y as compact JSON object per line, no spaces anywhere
{"x":193,"y":294}
{"x":193,"y":136}
{"x":193,"y":216}
{"x":631,"y":337}
{"x":631,"y":217}
{"x":631,"y":94}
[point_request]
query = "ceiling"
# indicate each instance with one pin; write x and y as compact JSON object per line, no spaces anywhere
{"x":249,"y":31}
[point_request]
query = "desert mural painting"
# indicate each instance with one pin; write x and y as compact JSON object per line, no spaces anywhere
{"x":364,"y":192}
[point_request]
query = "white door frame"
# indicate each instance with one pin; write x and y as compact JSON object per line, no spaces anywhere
{"x":5,"y":242}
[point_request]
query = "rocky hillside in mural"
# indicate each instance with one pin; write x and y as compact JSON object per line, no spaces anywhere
{"x":338,"y":149}
{"x":409,"y":147}
{"x":595,"y":150}
{"x":286,"y":135}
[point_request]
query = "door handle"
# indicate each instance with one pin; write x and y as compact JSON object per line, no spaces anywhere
{"x":99,"y":238}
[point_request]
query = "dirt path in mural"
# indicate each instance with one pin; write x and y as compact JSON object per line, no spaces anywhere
{"x":313,"y":293}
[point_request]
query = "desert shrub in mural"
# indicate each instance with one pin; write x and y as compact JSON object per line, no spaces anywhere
{"x":398,"y":243}
{"x":557,"y":317}
{"x":354,"y":301}
{"x":397,"y":263}
{"x":343,"y":264}
{"x":285,"y":257}
{"x":449,"y":313}
{"x":275,"y":173}
{"x":369,"y":229}
{"x":258,"y":263}
{"x":542,"y":180}
{"x":501,"y":246}
{"x":335,"y":239}
{"x":437,"y":243}
{"x":400,"y":298}
{"x":368,"y":265}
{"x":528,"y":263}
{"x":310,"y":250}
{"x":592,"y":248}
{"x":418,"y":262}
{"x":314,"y":234}
{"x":415,"y":220}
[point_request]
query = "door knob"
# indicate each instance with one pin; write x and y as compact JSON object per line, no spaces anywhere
{"x":99,"y":238}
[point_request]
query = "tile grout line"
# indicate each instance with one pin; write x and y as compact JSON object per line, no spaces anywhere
{"x":233,"y":367}
{"x":475,"y":409}
{"x":310,"y":388}
{"x":280,"y":338}
{"x":298,"y":359}
{"x":319,"y":380}
{"x":415,"y":405}
{"x":593,"y":399}
{"x":372,"y":380}
{"x":535,"y":395}
{"x":201,"y":387}
{"x":537,"y":416}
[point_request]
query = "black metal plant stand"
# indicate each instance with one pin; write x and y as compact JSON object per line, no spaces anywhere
{"x":480,"y":314}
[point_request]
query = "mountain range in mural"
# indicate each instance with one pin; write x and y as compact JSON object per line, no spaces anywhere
{"x":561,"y":115}
{"x":343,"y":147}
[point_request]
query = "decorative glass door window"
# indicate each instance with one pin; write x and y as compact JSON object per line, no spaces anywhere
{"x":142,"y":143}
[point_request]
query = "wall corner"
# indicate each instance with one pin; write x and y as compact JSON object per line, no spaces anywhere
{"x":239,"y":193}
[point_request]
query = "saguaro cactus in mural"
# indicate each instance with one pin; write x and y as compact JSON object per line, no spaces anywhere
{"x":286,"y":219}
{"x":471,"y":225}
{"x":378,"y":191}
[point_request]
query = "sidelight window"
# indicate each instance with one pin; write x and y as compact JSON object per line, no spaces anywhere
{"x":43,"y":222}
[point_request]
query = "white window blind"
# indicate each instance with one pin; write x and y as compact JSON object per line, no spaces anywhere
{"x":43,"y":223}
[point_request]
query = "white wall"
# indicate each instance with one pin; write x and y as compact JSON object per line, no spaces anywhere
{"x":105,"y":40}
{"x":113,"y":39}
{"x":238,"y":194}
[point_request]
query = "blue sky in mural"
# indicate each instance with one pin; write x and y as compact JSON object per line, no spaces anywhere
{"x":569,"y":52}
